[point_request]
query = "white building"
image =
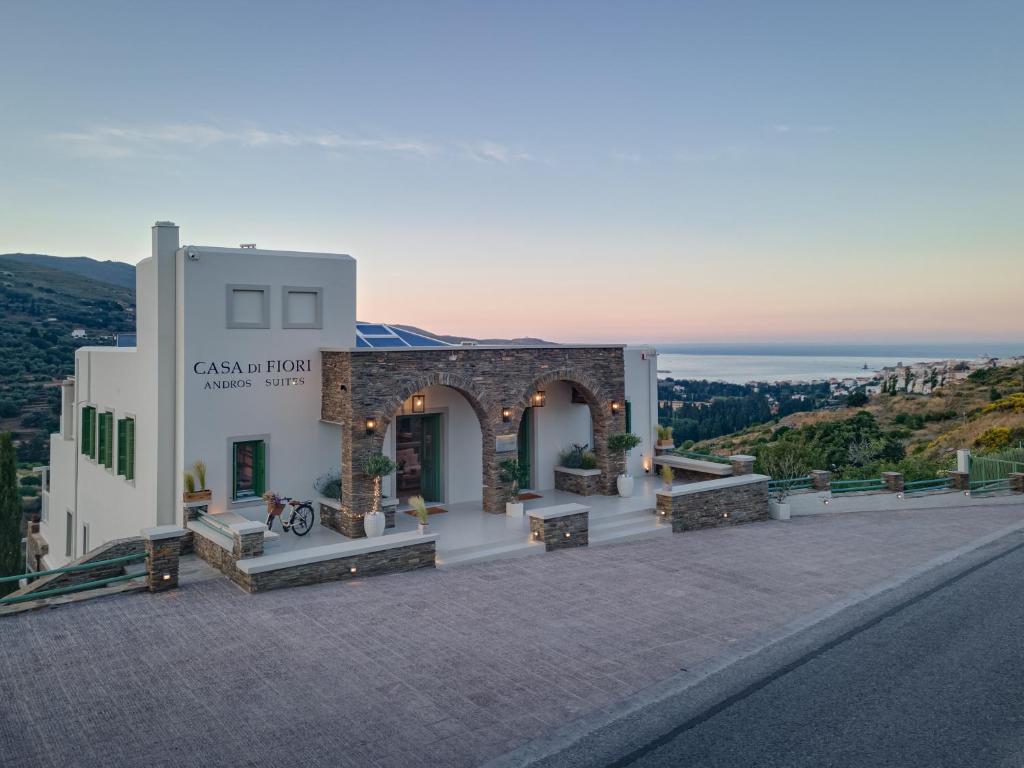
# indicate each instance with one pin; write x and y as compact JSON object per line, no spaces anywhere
{"x":227,"y":369}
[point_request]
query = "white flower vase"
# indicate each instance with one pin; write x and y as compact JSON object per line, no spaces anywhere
{"x":373,"y":524}
{"x":624,"y":483}
{"x":422,"y":528}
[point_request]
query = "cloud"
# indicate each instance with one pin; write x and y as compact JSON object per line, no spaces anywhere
{"x":801,"y":128}
{"x":107,"y":142}
{"x":112,"y":142}
{"x":492,"y":152}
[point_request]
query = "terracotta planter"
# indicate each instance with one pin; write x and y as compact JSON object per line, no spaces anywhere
{"x":196,"y":496}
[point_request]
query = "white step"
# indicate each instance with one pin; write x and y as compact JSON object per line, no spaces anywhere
{"x":622,"y":533}
{"x":479,"y":554}
{"x":620,"y":518}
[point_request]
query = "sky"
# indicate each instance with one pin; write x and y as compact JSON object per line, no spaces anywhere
{"x":636,"y":172}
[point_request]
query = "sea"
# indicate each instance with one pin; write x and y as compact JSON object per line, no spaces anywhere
{"x":740,"y":363}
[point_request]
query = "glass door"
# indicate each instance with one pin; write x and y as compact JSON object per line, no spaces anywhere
{"x":418,"y":455}
{"x":525,"y":443}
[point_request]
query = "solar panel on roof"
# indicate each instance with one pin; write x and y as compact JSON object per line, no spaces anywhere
{"x":361,"y":342}
{"x":417,"y":340}
{"x":370,"y":329}
{"x":379,"y":342}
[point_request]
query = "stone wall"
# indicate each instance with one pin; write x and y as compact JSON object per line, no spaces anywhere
{"x":573,"y":481}
{"x":374,"y":383}
{"x":395,"y":560}
{"x":219,"y":558}
{"x":726,"y":501}
{"x":562,"y":532}
{"x":108,"y":551}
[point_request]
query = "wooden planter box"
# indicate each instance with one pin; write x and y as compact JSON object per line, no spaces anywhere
{"x":196,"y":496}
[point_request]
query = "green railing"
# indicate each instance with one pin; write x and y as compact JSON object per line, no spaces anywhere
{"x":857,"y":486}
{"x":990,"y":486}
{"x":789,"y":484}
{"x":124,"y":559}
{"x":928,"y":484}
{"x":701,"y":456}
{"x":996,"y":466}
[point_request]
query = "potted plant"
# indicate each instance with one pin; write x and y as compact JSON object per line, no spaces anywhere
{"x":328,"y":485}
{"x":623,"y":443}
{"x":665,"y":436}
{"x":667,"y":476}
{"x":786,"y":462}
{"x":511,"y":474}
{"x":195,"y":484}
{"x":419,"y":506}
{"x":376,"y":466}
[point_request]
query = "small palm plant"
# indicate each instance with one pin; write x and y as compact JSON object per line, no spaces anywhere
{"x":666,"y":475}
{"x":199,"y":470}
{"x":419,"y":507}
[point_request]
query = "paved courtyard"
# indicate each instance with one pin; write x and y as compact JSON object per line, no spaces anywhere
{"x":434,"y":668}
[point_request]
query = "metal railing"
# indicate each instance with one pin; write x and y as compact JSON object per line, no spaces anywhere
{"x":701,"y":456}
{"x":790,"y":484}
{"x":996,"y":466}
{"x":857,"y":486}
{"x":124,"y":559}
{"x":928,"y":484}
{"x":980,"y":487}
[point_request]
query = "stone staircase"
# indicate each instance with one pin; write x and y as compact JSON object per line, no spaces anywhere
{"x":619,"y":527}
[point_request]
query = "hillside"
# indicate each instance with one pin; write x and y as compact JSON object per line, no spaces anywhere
{"x":116,"y":272}
{"x":983,"y":412}
{"x":40,"y":307}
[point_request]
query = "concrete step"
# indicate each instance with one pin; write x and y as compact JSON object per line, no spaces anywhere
{"x":629,"y":532}
{"x":479,"y":554}
{"x":620,"y":518}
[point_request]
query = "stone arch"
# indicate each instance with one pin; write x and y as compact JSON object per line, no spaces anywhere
{"x":603,"y":421}
{"x":465,"y":387}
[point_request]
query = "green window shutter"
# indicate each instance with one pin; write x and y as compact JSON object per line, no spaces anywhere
{"x":88,"y":441}
{"x":260,"y":467}
{"x":129,"y":453}
{"x":234,"y":471}
{"x":110,"y":441}
{"x":629,"y":416}
{"x":104,"y":438}
{"x":121,"y":438}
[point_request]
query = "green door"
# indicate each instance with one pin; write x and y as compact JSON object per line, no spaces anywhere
{"x":430,"y":456}
{"x":525,"y":442}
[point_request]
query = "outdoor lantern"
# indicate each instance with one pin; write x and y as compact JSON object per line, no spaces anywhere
{"x":506,"y":414}
{"x":371,"y":425}
{"x":419,"y":403}
{"x":615,"y":406}
{"x":540,"y":398}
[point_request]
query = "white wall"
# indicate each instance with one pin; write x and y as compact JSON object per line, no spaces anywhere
{"x":556,"y":426}
{"x":265,"y":398}
{"x":642,"y":393}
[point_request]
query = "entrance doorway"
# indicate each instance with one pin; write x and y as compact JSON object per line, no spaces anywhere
{"x":418,"y":455}
{"x":525,"y":443}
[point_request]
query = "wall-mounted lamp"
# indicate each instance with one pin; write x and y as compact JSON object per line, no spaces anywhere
{"x":352,"y":569}
{"x":371,"y":425}
{"x":419,"y":403}
{"x":506,"y":414}
{"x":647,"y":465}
{"x":540,"y":398}
{"x":615,"y":406}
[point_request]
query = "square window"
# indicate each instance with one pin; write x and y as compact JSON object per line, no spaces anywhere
{"x":248,"y":306}
{"x":302,"y":307}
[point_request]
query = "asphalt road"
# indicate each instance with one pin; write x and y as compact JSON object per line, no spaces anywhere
{"x":939,"y":682}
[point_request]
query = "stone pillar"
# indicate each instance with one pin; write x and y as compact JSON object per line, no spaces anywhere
{"x":960,"y":481}
{"x":163,"y":550}
{"x":742,"y":465}
{"x":821,"y":480}
{"x":495,"y":491}
{"x":248,"y":539}
{"x":893,"y":481}
{"x":1017,"y":482}
{"x":561,"y":527}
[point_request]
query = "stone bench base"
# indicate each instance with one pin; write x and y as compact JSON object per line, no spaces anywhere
{"x":347,"y":524}
{"x":560,"y":527}
{"x":712,"y":503}
{"x":582,"y":482}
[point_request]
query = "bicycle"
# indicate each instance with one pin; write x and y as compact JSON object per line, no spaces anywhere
{"x":300,"y":518}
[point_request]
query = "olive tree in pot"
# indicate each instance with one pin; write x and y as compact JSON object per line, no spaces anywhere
{"x":376,"y":466}
{"x":511,"y":474}
{"x":623,"y":443}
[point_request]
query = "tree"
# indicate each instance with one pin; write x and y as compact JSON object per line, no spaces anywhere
{"x":10,"y":516}
{"x":857,"y":399}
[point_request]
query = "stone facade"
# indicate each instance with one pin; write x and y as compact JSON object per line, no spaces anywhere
{"x":742,"y":465}
{"x":373,"y":384}
{"x":821,"y":480}
{"x":163,"y":547}
{"x":584,"y":482}
{"x":562,"y":532}
{"x":960,"y":481}
{"x":1017,"y":482}
{"x":351,"y":525}
{"x":220,"y":558}
{"x":720,"y":502}
{"x":395,"y":560}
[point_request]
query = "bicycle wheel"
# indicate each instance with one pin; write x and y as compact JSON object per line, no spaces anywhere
{"x":302,"y":519}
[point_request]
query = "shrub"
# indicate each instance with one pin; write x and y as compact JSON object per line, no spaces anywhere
{"x":857,"y":399}
{"x":577,"y":456}
{"x":1013,"y":403}
{"x":993,"y":439}
{"x":328,"y":485}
